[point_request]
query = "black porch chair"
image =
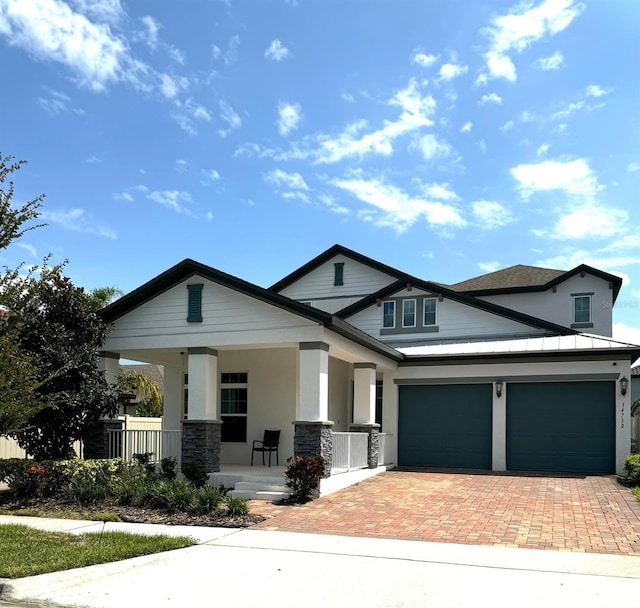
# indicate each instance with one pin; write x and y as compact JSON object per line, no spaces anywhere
{"x":269,"y":444}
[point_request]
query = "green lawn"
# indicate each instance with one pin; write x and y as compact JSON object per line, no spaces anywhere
{"x":27,"y":551}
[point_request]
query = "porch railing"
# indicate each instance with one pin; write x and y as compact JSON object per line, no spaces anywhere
{"x":349,"y":451}
{"x":161,"y":444}
{"x":386,"y":448}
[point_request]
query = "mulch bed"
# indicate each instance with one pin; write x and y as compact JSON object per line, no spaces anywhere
{"x":58,"y":508}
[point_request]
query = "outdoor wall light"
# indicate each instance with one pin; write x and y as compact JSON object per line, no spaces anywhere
{"x":499,"y":385}
{"x":624,"y":385}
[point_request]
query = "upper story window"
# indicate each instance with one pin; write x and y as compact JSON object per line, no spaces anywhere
{"x":408,"y":313}
{"x":429,"y":311}
{"x":338,"y":277}
{"x":582,"y":309}
{"x":389,"y":314}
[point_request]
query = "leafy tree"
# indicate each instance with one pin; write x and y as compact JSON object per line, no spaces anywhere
{"x":146,"y":389}
{"x":50,"y":386}
{"x":101,"y":296}
{"x":62,"y":334}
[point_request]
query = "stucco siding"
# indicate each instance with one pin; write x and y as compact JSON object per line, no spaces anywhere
{"x":558,"y":307}
{"x":453,"y":320}
{"x":271,"y":398}
{"x":340,"y":383}
{"x":223,"y":311}
{"x":359,"y":280}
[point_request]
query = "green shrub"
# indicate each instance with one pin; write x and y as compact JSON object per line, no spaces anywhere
{"x":157,"y":495}
{"x":168,"y":469}
{"x":208,"y":500}
{"x":303,"y":476}
{"x":181,"y":495}
{"x":632,"y":467}
{"x":13,"y":472}
{"x":236,"y":507}
{"x":85,"y":490}
{"x":195,"y":474}
{"x":130,"y":488}
{"x":143,"y":459}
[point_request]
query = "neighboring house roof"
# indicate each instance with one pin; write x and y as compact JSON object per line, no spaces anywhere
{"x":154,"y":372}
{"x":447,"y":292}
{"x":635,"y":371}
{"x":327,"y":255}
{"x":545,"y":345}
{"x":188,"y":268}
{"x":521,"y":278}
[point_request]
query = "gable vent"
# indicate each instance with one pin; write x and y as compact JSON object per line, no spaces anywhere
{"x":194,"y":307}
{"x":338,"y":273}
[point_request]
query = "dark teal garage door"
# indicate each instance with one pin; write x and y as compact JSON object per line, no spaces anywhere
{"x":445,"y":426}
{"x":561,"y":426}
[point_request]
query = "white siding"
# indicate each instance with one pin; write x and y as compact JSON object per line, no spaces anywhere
{"x":558,"y":307}
{"x":224,"y":311}
{"x":359,"y":280}
{"x":454,"y":320}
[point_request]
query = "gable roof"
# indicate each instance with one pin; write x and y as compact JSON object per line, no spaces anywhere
{"x":521,"y":278}
{"x":188,"y":268}
{"x":327,"y":255}
{"x":462,"y":298}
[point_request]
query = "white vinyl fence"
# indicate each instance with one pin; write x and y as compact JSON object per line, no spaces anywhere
{"x":160,"y":444}
{"x":349,"y":452}
{"x":9,"y":448}
{"x":386,"y":448}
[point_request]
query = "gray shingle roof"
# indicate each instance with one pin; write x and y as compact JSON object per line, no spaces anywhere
{"x":509,"y":278}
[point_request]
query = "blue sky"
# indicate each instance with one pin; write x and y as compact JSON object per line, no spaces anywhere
{"x":447,"y":139}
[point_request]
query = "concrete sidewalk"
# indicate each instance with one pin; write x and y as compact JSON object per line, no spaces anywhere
{"x":293,"y":569}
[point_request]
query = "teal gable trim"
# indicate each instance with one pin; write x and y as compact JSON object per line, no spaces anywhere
{"x":194,"y":306}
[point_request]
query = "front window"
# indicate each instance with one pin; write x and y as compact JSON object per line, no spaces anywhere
{"x":233,"y":406}
{"x":429,"y":311}
{"x":582,"y":309}
{"x":389,"y":314}
{"x":408,"y":313}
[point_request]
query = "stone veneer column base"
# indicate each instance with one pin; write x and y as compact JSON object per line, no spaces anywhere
{"x":313,"y":438}
{"x":201,"y":441}
{"x":373,"y":430}
{"x":96,"y":439}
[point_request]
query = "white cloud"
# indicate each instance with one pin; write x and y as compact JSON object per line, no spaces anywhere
{"x":170,"y":86}
{"x":432,"y":147}
{"x":92,"y":160}
{"x":173,"y":199}
{"x":277,"y":51}
{"x":575,"y":178}
{"x":189,"y":114}
{"x":590,"y":221}
{"x":424,"y":60}
{"x":210,"y":175}
{"x":491,"y":98}
{"x":52,"y":31}
{"x":78,"y":220}
{"x":56,"y":103}
{"x":231,"y":54}
{"x":594,"y":90}
{"x":489,"y":266}
{"x":289,"y":117}
{"x":490,"y":214}
{"x":294,"y":181}
{"x":553,"y":62}
{"x":416,"y":112}
{"x":543,"y":149}
{"x":466,"y":127}
{"x":525,"y":25}
{"x":229,"y":116}
{"x":182,"y":165}
{"x":507,"y":126}
{"x":124,"y":196}
{"x":152,"y":29}
{"x":448,"y":71}
{"x":297,"y":195}
{"x":626,"y":333}
{"x":633,"y":167}
{"x":389,"y":206}
{"x":442,"y":192}
{"x":30,"y":248}
{"x":347,"y":97}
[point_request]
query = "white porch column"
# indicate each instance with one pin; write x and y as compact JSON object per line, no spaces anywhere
{"x":313,"y":384}
{"x":499,"y":435}
{"x":109,"y":364}
{"x":390,"y":411}
{"x":172,"y":410}
{"x":203,"y":384}
{"x":364,"y":393}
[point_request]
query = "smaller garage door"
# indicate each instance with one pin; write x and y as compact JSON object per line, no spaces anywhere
{"x":445,"y":426}
{"x":561,"y":426}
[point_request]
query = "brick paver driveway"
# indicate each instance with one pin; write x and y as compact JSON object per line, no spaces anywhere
{"x":566,"y":513}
